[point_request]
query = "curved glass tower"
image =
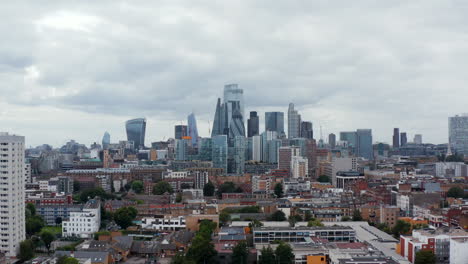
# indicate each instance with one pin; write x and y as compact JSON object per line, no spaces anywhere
{"x":106,"y":140}
{"x":136,"y":129}
{"x":192,"y":129}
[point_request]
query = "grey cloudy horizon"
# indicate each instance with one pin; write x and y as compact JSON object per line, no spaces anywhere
{"x":75,"y":69}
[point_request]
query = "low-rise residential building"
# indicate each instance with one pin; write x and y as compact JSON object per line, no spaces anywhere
{"x":55,"y":214}
{"x":85,"y":222}
{"x":163,"y":223}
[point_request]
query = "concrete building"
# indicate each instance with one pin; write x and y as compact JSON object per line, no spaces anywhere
{"x":339,"y":164}
{"x":84,"y":223}
{"x":12,"y":196}
{"x":299,"y":167}
{"x":346,"y":179}
{"x":418,"y":139}
{"x":285,"y":156}
{"x":458,"y":250}
{"x":163,"y":223}
{"x":458,"y":134}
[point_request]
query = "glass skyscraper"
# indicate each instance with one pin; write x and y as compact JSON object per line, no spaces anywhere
{"x":180,"y":131}
{"x":229,"y":111}
{"x":294,"y":122}
{"x":205,"y":149}
{"x":106,"y":140}
{"x":274,"y":121}
{"x":136,"y":129}
{"x":458,"y":134}
{"x":192,"y":129}
{"x":253,"y":125}
{"x":364,"y":144}
{"x":307,"y":130}
{"x":220,"y":152}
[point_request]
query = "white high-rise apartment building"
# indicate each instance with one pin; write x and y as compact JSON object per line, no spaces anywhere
{"x":12,"y":184}
{"x":458,"y":134}
{"x":294,"y":122}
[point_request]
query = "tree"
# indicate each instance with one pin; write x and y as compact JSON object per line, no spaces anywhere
{"x":293,"y":219}
{"x":357,"y":215}
{"x":26,"y":251}
{"x":345,"y":218}
{"x":401,"y":227}
{"x":47,"y":237}
{"x":184,"y":186}
{"x":202,"y":250}
{"x":255,"y":223}
{"x":307,"y":216}
{"x":209,"y":189}
{"x":240,"y":253}
{"x":425,"y":257}
{"x":228,"y":187}
{"x":178,"y":197}
{"x":162,"y":187}
{"x":34,"y":224}
{"x":31,"y":208}
{"x":267,"y":256}
{"x":323,"y":178}
{"x":93,"y":193}
{"x":279,"y":190}
{"x":179,"y":258}
{"x":224,"y":217}
{"x":137,"y":186}
{"x":67,"y":260}
{"x":314,"y":222}
{"x":58,"y":220}
{"x":455,"y":192}
{"x":284,"y":254}
{"x":124,"y":216}
{"x":278,"y":216}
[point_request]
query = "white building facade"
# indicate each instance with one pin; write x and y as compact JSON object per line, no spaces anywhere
{"x":12,"y":196}
{"x":85,"y":223}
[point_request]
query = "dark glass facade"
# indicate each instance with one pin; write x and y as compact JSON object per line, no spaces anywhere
{"x":136,"y":129}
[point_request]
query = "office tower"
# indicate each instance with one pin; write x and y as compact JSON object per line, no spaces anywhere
{"x":236,"y":128}
{"x":236,"y":156}
{"x":332,"y":140}
{"x":273,"y":147}
{"x":181,"y":149}
{"x":403,"y":139}
{"x":311,"y":155}
{"x":232,"y":93}
{"x":219,"y":152}
{"x":274,"y":121}
{"x":180,"y":131}
{"x":294,"y":122}
{"x":267,"y":136}
{"x":136,"y":129}
{"x":307,"y":130}
{"x":205,"y":149}
{"x":257,"y":148}
{"x":192,"y":129}
{"x":396,"y":138}
{"x":253,"y":125}
{"x":12,"y":196}
{"x":364,"y":144}
{"x":458,"y":134}
{"x":350,"y":137}
{"x":299,"y":167}
{"x":106,"y":140}
{"x":219,"y":120}
{"x":418,"y":139}
{"x":285,"y":155}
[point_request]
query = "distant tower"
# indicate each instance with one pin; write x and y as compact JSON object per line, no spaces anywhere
{"x":307,"y":130}
{"x":294,"y":122}
{"x":403,"y":139}
{"x":396,"y":138}
{"x":274,"y":121}
{"x":136,"y":129}
{"x":253,"y":125}
{"x":458,"y":134}
{"x":106,"y":140}
{"x":418,"y":139}
{"x":180,"y":131}
{"x":192,"y":129}
{"x":332,"y":140}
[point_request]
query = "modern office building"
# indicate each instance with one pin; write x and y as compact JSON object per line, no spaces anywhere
{"x":12,"y":195}
{"x":270,"y":235}
{"x":311,"y":155}
{"x":106,"y":140}
{"x":236,"y":127}
{"x":458,"y":134}
{"x":332,"y":140}
{"x":180,"y":131}
{"x":364,"y":147}
{"x":136,"y":129}
{"x":307,"y":130}
{"x":418,"y":139}
{"x":274,"y":121}
{"x":396,"y":137}
{"x":233,"y":104}
{"x":253,"y":125}
{"x":192,"y":130}
{"x":294,"y":122}
{"x":232,"y":93}
{"x":181,"y":149}
{"x":236,"y":155}
{"x":220,"y":152}
{"x":257,"y":148}
{"x":403,"y":139}
{"x":350,"y":137}
{"x":205,"y":149}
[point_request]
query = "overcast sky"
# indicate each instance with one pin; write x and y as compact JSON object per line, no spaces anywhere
{"x":75,"y":69}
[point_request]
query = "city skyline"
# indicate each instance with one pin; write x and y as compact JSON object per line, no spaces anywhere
{"x":63,"y":77}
